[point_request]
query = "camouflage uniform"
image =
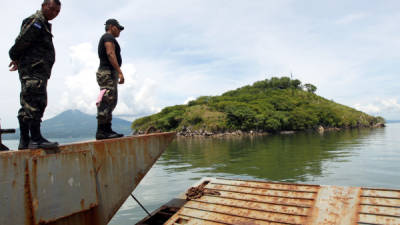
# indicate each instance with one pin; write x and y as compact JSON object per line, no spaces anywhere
{"x":107,"y":79}
{"x":34,"y":52}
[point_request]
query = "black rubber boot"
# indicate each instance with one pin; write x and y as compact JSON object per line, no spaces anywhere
{"x":109,"y":130}
{"x":102,"y":132}
{"x":37,"y":140}
{"x":24,"y":134}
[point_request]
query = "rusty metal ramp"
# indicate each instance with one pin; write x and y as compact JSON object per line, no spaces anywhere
{"x":224,"y":201}
{"x":77,"y":184}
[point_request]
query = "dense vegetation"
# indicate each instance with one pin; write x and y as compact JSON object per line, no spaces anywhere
{"x":270,"y":105}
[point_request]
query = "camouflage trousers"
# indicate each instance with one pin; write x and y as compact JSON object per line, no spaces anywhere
{"x":33,"y":98}
{"x":107,"y":79}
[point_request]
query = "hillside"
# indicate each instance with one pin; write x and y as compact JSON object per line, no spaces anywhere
{"x":271,"y":105}
{"x":75,"y":124}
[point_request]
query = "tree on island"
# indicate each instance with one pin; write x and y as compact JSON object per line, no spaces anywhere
{"x":310,"y":88}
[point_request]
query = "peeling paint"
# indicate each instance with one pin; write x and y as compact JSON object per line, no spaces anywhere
{"x":71,"y":181}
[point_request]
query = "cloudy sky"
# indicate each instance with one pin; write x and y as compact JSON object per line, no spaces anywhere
{"x":178,"y":50}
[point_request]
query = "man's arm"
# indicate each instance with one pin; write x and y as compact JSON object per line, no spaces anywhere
{"x":112,"y":58}
{"x":30,"y":30}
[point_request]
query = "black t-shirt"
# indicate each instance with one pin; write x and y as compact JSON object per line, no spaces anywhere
{"x":104,"y":63}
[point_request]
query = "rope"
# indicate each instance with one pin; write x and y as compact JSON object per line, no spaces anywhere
{"x":199,"y":191}
{"x":141,"y":205}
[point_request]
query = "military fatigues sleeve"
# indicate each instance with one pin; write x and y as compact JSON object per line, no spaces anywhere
{"x":30,"y":31}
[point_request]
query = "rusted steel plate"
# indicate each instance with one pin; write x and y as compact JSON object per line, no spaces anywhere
{"x":226,"y":201}
{"x":262,"y":215}
{"x":205,"y":217}
{"x":61,"y":185}
{"x":265,"y":192}
{"x":269,"y":186}
{"x":391,"y":194}
{"x":119,"y":164}
{"x":263,"y":207}
{"x":305,"y":203}
{"x":82,"y":183}
{"x":42,"y":188}
{"x":253,"y":202}
{"x":14,"y":204}
{"x":376,"y":219}
{"x":388,"y":211}
{"x":380,"y":201}
{"x":194,"y":221}
{"x":379,"y":206}
{"x":122,"y":165}
{"x":335,"y":205}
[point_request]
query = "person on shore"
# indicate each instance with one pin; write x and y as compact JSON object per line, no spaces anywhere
{"x":108,"y":76}
{"x":33,"y":55}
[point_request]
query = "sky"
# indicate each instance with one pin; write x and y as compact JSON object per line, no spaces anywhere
{"x":177,"y":50}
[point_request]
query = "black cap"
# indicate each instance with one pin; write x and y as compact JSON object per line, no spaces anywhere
{"x":115,"y":23}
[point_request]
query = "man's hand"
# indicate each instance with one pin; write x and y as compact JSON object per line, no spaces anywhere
{"x":121,"y":78}
{"x":13,"y":65}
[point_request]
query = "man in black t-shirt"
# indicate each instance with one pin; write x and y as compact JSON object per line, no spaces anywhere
{"x":108,"y":76}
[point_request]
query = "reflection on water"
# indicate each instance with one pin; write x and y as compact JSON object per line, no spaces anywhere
{"x":293,"y":158}
{"x":365,"y":157}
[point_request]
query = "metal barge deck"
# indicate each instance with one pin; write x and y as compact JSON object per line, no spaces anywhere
{"x":217,"y":201}
{"x":77,"y":184}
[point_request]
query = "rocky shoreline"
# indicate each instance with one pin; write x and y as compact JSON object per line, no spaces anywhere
{"x":187,"y":132}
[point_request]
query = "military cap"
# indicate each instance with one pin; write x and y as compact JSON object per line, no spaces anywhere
{"x":115,"y":23}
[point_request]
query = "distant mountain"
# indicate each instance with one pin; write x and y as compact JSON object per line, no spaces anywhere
{"x":393,"y":121}
{"x":75,"y":124}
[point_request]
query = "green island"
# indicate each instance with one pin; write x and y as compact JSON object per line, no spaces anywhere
{"x":268,"y":106}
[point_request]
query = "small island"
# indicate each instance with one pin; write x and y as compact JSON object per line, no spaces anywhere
{"x":276,"y":105}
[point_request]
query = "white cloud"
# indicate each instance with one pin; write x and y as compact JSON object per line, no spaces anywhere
{"x":368,"y":108}
{"x":80,"y":89}
{"x":350,"y":18}
{"x":380,"y":106}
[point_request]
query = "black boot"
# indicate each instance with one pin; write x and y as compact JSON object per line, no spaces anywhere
{"x":102,"y":132}
{"x":109,"y":130}
{"x":24,"y":134}
{"x":37,"y":140}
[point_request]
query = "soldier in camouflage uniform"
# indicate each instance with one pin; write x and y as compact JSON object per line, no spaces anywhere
{"x":33,"y":55}
{"x":108,"y":76}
